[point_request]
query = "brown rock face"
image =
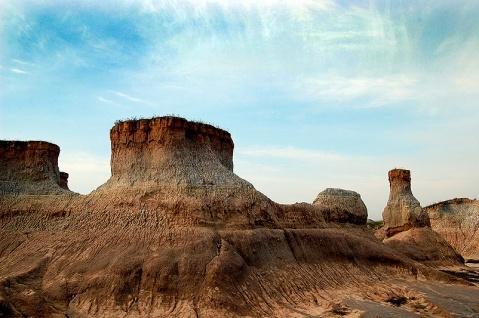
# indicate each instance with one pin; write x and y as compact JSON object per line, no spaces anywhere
{"x":403,"y":211}
{"x":186,"y":168}
{"x":29,"y":167}
{"x":342,"y":206}
{"x":149,"y":149}
{"x":63,"y":180}
{"x":457,"y":221}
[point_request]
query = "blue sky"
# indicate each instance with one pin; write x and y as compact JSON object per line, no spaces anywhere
{"x":315,"y":93}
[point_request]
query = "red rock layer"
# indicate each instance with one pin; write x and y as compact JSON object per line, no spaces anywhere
{"x":140,"y":146}
{"x":399,"y":181}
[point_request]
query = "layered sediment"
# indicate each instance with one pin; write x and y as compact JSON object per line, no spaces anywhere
{"x":149,"y":149}
{"x":175,"y":233}
{"x":457,"y":221}
{"x":29,"y":167}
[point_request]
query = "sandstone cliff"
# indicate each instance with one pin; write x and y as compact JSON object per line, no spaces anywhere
{"x":457,"y":220}
{"x":175,"y":233}
{"x":29,"y":167}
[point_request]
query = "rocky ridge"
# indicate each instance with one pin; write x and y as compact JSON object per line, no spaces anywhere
{"x":457,"y":221}
{"x":29,"y":167}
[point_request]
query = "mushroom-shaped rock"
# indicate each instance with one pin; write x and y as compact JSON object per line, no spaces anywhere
{"x":343,"y":206}
{"x":403,"y":211}
{"x":29,"y":167}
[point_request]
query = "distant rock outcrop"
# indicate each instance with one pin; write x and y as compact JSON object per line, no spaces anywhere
{"x":403,"y":211}
{"x":29,"y":167}
{"x":343,"y":206}
{"x":457,"y":221}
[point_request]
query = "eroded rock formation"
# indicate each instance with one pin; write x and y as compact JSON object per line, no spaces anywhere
{"x":403,"y":211}
{"x":342,"y":206}
{"x":29,"y":167}
{"x":183,"y":167}
{"x":457,"y":221}
{"x":148,"y":149}
{"x":175,"y":233}
{"x":407,"y":226}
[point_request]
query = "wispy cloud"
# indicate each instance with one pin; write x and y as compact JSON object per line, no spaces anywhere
{"x":376,"y":90}
{"x":199,"y":6}
{"x":105,"y":100}
{"x":131,"y":98}
{"x":18,"y":71}
{"x":21,"y":62}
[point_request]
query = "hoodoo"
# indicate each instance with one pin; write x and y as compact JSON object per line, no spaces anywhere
{"x":342,"y":206}
{"x":407,"y":226}
{"x":403,"y":211}
{"x":29,"y":167}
